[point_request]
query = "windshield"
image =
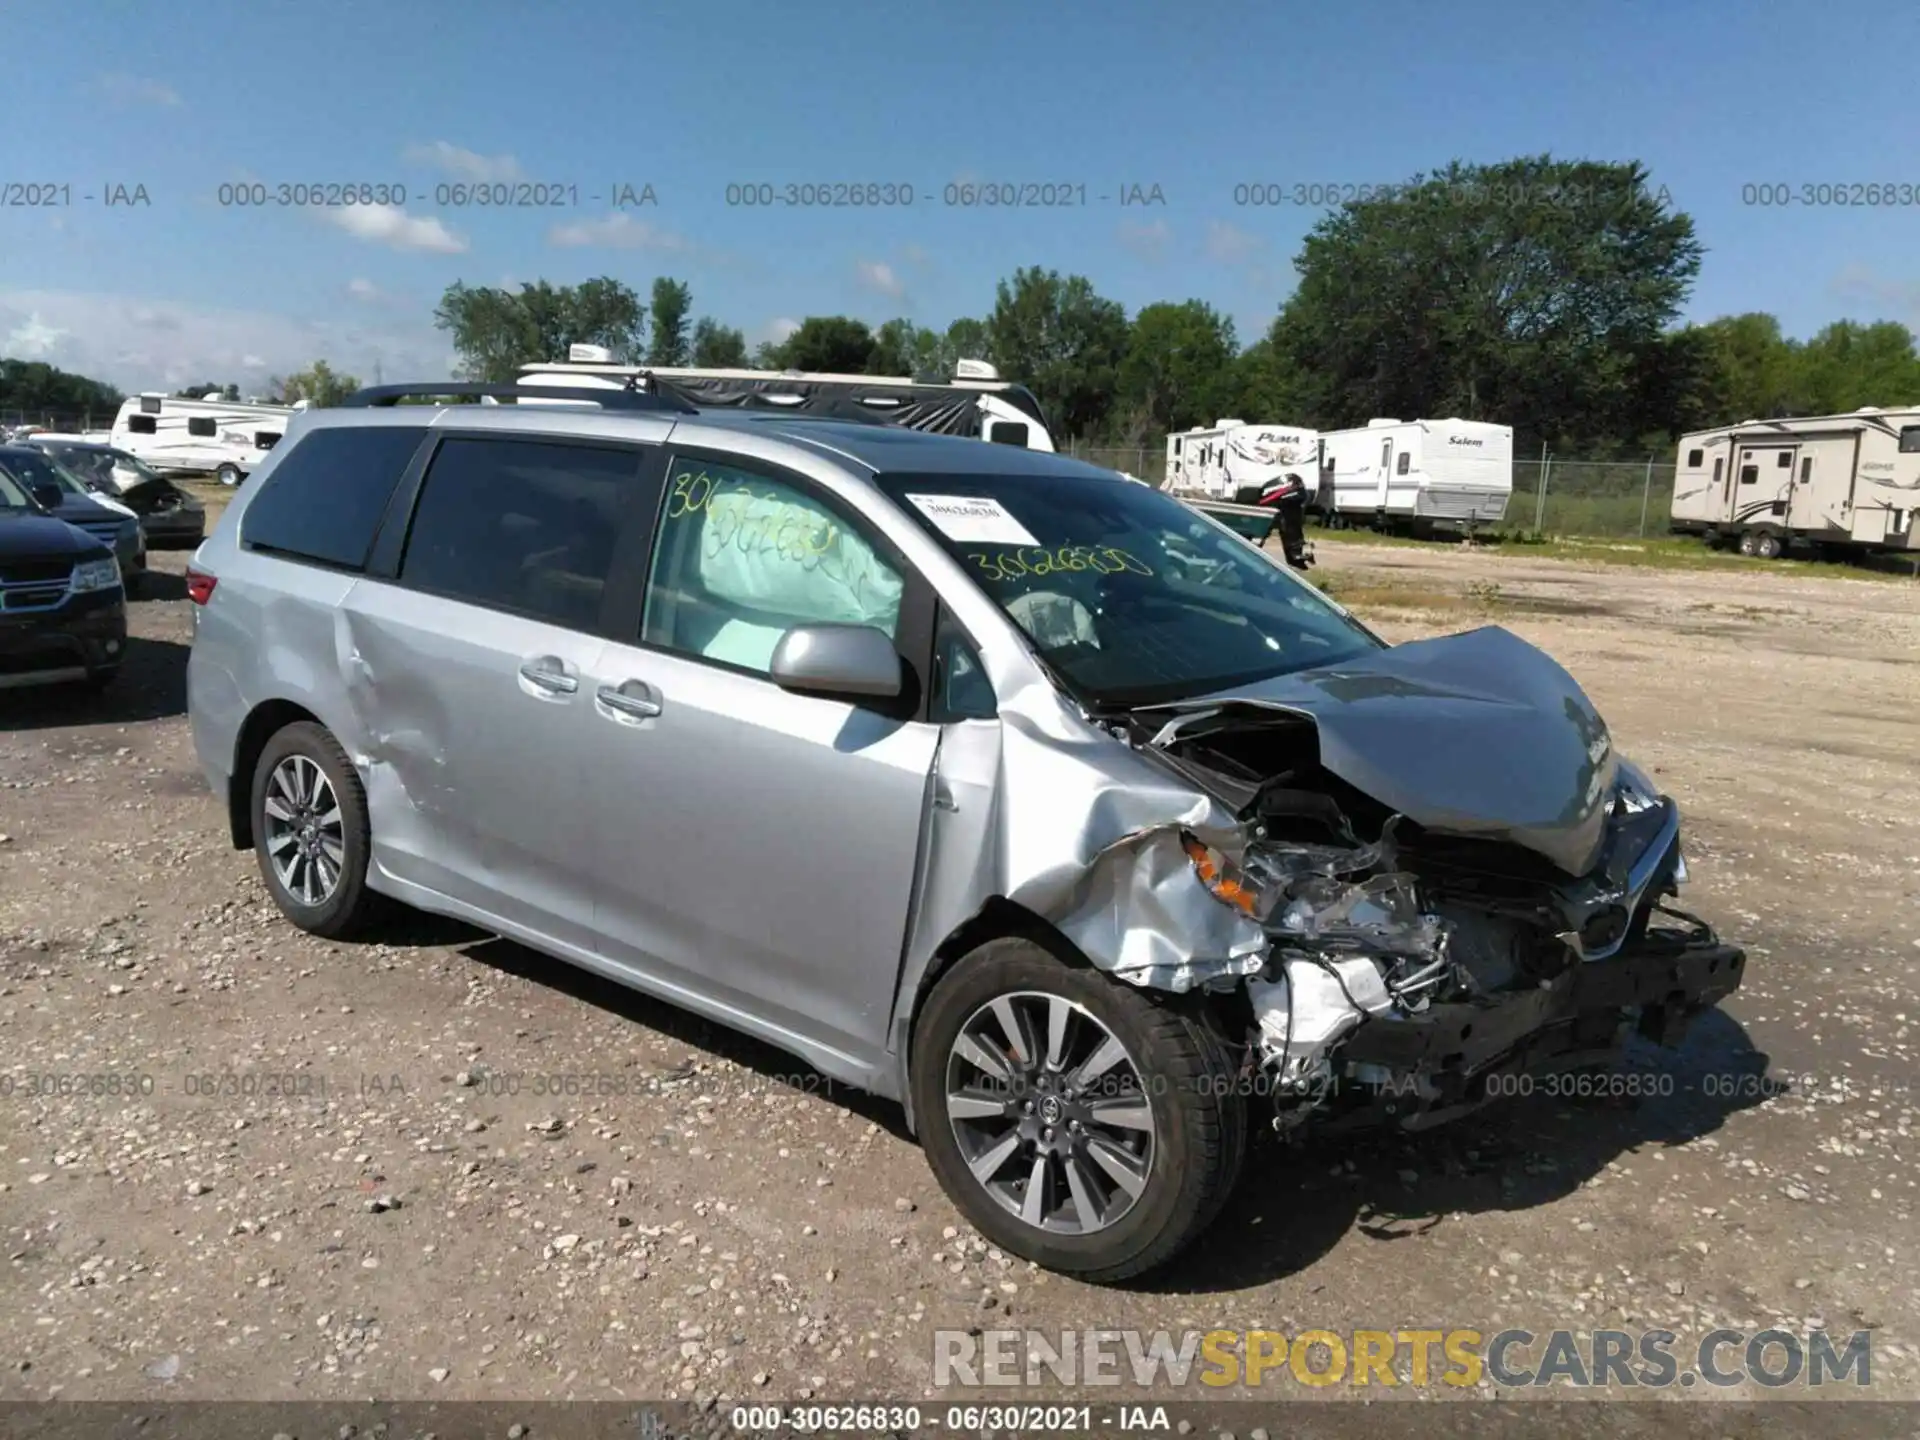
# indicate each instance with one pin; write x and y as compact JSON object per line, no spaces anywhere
{"x":1128,"y":595}
{"x":12,"y":496}
{"x":30,"y":467}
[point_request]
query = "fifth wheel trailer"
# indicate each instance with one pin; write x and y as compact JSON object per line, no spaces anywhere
{"x":1834,"y":482}
{"x":1231,"y":459}
{"x":1418,"y":474}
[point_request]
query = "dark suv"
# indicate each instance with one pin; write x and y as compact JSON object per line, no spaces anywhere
{"x":57,"y":489}
{"x":63,"y":609}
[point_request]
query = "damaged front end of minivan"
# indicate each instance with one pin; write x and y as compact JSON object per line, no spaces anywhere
{"x":1435,"y":873}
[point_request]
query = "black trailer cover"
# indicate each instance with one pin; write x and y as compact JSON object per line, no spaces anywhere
{"x":940,"y":409}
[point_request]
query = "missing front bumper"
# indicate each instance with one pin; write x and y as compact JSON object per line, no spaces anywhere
{"x":1423,"y":1070}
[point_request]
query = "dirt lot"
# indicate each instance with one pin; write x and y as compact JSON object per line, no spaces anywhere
{"x":720,"y":1227}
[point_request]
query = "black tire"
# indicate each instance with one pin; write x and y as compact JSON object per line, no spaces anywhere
{"x":229,"y":475}
{"x":350,"y":906}
{"x":1745,"y":546}
{"x":1767,"y":545}
{"x":1200,"y":1118}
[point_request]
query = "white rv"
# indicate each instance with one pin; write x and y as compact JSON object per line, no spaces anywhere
{"x":1231,"y":458}
{"x":1836,"y":482}
{"x":208,"y":436}
{"x":976,"y":402}
{"x":1419,"y":474}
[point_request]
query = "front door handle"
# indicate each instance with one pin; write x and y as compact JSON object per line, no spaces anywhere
{"x":641,"y":706}
{"x":549,"y":674}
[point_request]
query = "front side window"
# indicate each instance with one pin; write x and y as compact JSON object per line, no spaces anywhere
{"x":1694,"y":457}
{"x":521,"y":525}
{"x":201,"y":426}
{"x":1400,"y":466}
{"x":1127,"y":594}
{"x":1749,"y":474}
{"x":142,"y":425}
{"x":740,"y":558}
{"x":1910,"y":440}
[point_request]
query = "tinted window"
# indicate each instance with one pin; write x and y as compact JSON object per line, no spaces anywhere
{"x":1806,"y":470}
{"x":1910,"y":440}
{"x":141,"y":424}
{"x":1786,"y":460}
{"x":1008,"y":432}
{"x":150,"y":404}
{"x":324,"y":500}
{"x":1400,"y":466}
{"x":1749,"y":474}
{"x":201,"y":425}
{"x":266,"y":439}
{"x":1694,"y":457}
{"x":740,"y":559}
{"x":521,"y":525}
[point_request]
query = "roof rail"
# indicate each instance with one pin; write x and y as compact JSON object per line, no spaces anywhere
{"x":632,"y":397}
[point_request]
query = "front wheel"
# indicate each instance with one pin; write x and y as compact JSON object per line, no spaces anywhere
{"x":1077,"y":1122}
{"x":229,"y":475}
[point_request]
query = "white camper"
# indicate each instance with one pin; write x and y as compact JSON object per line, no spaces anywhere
{"x":208,"y":436}
{"x":976,"y":402}
{"x":1419,"y":474}
{"x":1230,"y":458}
{"x":1835,"y":482}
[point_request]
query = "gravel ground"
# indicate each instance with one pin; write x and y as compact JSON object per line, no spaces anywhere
{"x":324,"y":1174}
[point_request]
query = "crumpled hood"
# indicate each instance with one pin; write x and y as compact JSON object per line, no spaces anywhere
{"x":1478,"y":734}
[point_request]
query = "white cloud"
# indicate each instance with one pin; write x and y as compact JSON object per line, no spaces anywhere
{"x":33,"y":338}
{"x":466,"y":164}
{"x":391,"y":226}
{"x":363,"y":289}
{"x":132,"y":90}
{"x":916,"y":256}
{"x":1149,"y":241}
{"x":774,"y":331}
{"x":137,"y":343}
{"x":1229,"y":244}
{"x":619,"y":231}
{"x":878,"y":276}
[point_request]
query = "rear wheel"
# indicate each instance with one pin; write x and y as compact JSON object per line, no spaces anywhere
{"x":229,"y":475}
{"x":1077,"y":1122}
{"x":1767,"y":545}
{"x":310,"y":831}
{"x":1746,"y":543}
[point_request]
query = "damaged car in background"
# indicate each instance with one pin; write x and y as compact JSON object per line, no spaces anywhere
{"x":1046,"y":806}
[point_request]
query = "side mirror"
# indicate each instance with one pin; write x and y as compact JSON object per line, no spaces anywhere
{"x":838,"y":661}
{"x":49,"y":495}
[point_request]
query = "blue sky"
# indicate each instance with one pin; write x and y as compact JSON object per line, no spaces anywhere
{"x":1193,"y":99}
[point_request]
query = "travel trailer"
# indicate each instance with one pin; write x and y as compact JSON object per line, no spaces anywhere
{"x":1418,"y":474}
{"x":1232,"y":460}
{"x":976,"y":402}
{"x":1834,"y":482}
{"x":208,"y":436}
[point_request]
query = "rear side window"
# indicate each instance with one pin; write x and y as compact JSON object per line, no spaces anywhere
{"x":326,"y":496}
{"x":1910,"y":440}
{"x":201,"y":425}
{"x":525,"y":526}
{"x":141,"y":425}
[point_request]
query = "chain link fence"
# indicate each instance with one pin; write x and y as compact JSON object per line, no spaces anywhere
{"x":1551,"y":496}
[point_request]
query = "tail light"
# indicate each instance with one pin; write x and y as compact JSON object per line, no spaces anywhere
{"x":200,"y":585}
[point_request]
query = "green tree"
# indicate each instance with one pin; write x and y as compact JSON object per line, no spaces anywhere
{"x":1064,"y":341}
{"x":194,"y":392}
{"x":35,"y":385}
{"x":496,"y":331}
{"x":1179,"y":366}
{"x":319,"y":385}
{"x":1536,"y":292}
{"x":837,"y":344}
{"x":1849,"y":365}
{"x":716,"y":347}
{"x":901,"y":347}
{"x":672,"y":303}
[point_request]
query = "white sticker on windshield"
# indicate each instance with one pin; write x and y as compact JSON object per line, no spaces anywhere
{"x":972,"y":519}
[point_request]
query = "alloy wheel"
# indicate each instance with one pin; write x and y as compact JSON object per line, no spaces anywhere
{"x":306,"y":838}
{"x":1051,"y":1113}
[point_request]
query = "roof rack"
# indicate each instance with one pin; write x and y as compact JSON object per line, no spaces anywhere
{"x":632,"y":396}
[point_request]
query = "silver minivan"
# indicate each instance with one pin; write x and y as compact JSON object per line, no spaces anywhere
{"x":973,"y":776}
